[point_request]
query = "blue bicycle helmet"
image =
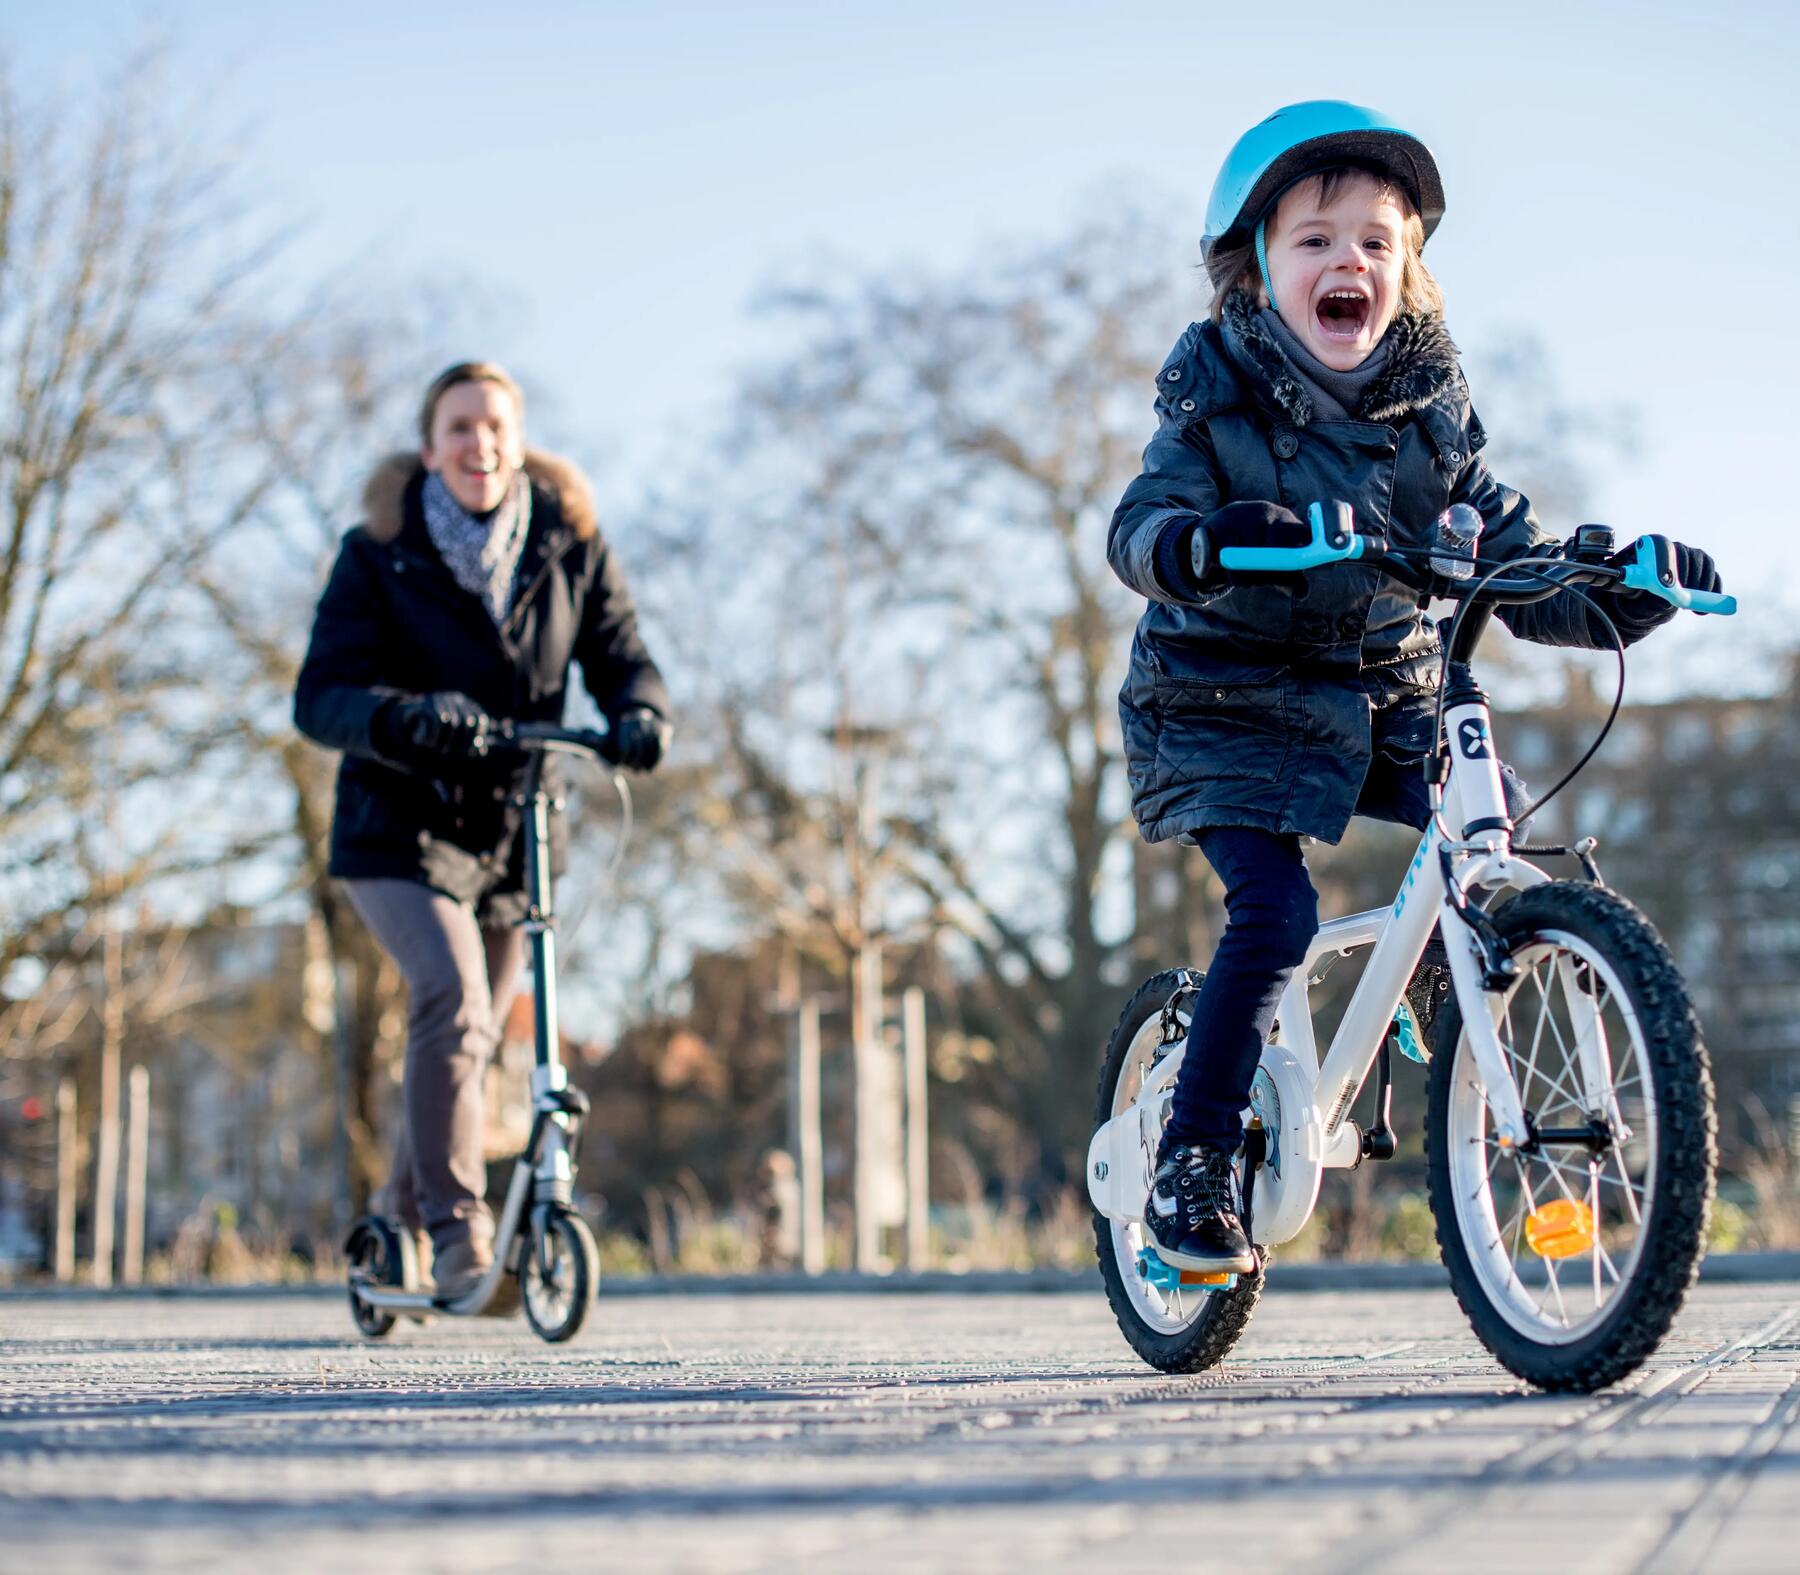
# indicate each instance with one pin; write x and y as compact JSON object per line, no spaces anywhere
{"x":1302,"y":138}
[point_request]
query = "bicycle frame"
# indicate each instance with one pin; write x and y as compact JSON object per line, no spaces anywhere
{"x":1302,"y":1103}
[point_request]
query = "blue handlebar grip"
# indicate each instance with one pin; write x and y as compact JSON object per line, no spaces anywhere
{"x":1653,"y":570}
{"x":1283,"y":560}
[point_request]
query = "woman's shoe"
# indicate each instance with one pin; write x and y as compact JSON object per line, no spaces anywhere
{"x":460,"y":1268}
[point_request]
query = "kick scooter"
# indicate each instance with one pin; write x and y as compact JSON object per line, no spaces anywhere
{"x":539,"y":1237}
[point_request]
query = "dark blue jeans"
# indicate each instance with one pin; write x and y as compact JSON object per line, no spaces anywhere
{"x":1271,"y":916}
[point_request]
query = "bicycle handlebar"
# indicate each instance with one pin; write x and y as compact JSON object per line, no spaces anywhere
{"x":1653,"y":570}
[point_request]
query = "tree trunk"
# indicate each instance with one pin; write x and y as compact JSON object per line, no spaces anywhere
{"x":106,"y":1161}
{"x":137,"y":1162}
{"x":68,"y":1179}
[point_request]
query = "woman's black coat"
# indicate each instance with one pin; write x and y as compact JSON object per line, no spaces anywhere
{"x":393,"y":621}
{"x":1263,"y":704}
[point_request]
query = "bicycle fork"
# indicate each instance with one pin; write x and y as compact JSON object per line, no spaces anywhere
{"x":1479,"y":966}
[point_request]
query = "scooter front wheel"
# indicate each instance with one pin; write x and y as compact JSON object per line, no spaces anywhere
{"x":559,"y":1275}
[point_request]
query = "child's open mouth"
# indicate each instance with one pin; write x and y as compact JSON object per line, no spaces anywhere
{"x":1342,"y":313}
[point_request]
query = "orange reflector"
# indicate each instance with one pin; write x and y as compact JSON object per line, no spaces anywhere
{"x":1562,"y":1229}
{"x":1195,"y":1277}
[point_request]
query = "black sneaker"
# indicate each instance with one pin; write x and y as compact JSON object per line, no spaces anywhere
{"x":1428,"y":988}
{"x":1192,"y":1214}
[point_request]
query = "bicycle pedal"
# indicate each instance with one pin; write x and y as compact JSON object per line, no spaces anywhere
{"x":1404,"y":1036}
{"x":1167,"y":1277}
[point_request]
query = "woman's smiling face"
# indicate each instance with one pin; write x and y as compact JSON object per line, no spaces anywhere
{"x":1335,"y":266}
{"x":476,"y":443}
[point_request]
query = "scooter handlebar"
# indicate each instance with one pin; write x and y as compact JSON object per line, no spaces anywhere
{"x":548,"y":736}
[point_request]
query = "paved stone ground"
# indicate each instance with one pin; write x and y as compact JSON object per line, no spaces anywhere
{"x":862,"y":1434}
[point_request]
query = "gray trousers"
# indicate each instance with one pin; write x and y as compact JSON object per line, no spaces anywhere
{"x":461,"y":979}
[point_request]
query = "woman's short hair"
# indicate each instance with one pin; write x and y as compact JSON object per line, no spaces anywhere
{"x":1234,"y":267}
{"x":465,"y":372}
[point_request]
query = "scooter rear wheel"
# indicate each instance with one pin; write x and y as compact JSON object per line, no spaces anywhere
{"x":374,"y":1256}
{"x":559,"y":1274}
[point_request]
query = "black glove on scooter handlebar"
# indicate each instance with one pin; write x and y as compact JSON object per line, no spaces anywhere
{"x":639,"y":738}
{"x":1187,"y":554}
{"x":446,"y":726}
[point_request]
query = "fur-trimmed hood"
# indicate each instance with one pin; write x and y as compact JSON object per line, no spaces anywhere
{"x":1421,"y":368}
{"x":384,"y":495}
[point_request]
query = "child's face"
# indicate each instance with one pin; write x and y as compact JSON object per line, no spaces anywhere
{"x":1336,"y":266}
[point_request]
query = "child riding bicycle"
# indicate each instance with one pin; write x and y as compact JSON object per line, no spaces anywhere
{"x":1263,"y":708}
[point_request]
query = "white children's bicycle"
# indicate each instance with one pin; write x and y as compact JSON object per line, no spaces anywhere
{"x":1570,"y":1134}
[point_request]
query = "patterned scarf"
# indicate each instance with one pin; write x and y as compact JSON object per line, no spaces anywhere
{"x":1337,"y":394}
{"x":482,"y":553}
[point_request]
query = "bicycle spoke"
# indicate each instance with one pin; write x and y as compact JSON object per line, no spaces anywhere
{"x":1562,"y":1307}
{"x":1632,"y":1193}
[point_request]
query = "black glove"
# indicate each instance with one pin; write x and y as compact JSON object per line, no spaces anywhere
{"x":639,"y":738}
{"x":449,"y":726}
{"x":1187,"y":555}
{"x":1638,"y":612}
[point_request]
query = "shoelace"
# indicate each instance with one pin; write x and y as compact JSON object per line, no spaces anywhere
{"x":1208,"y":1179}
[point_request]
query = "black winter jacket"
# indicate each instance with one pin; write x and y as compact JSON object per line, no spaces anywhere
{"x":1262,"y":704}
{"x":393,"y":621}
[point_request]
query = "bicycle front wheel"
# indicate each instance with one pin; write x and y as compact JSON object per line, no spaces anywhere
{"x":1572,"y":1253}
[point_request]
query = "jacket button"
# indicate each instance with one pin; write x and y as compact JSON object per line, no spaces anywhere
{"x":1454,"y":456}
{"x":1174,"y":374}
{"x":1187,"y":404}
{"x":1286,"y":445}
{"x":1218,"y":694}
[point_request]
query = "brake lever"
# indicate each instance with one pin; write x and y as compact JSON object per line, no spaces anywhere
{"x":1653,"y":570}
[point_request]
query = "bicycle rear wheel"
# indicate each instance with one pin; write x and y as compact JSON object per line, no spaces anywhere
{"x":1572,"y":1253}
{"x":1170,"y":1319}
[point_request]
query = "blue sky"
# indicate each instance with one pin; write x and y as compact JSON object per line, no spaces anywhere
{"x":1620,"y":180}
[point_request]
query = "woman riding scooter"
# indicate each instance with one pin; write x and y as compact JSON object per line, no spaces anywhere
{"x":478,"y":576}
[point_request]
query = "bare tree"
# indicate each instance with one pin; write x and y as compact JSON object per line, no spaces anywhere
{"x":911,"y":638}
{"x":123,"y":266}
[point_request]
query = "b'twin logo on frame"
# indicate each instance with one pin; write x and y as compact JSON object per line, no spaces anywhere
{"x":1472,"y":738}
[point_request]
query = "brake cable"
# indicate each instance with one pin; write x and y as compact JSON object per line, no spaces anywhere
{"x":1534,"y":568}
{"x":607,"y":882}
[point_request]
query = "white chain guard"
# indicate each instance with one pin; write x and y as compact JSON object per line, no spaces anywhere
{"x":1121,"y":1151}
{"x":1287,"y":1182}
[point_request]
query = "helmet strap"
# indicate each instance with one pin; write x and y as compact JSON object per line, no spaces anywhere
{"x":1262,"y":263}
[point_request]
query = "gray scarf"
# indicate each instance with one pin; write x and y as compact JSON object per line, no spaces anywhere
{"x":481,"y":552}
{"x":1335,"y":395}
